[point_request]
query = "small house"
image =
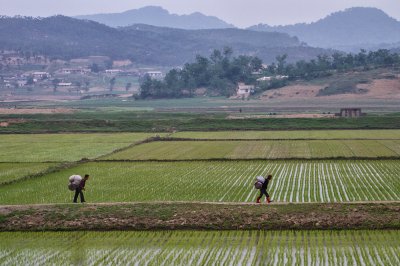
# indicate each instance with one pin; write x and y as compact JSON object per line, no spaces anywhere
{"x":155,"y":74}
{"x":113,"y":71}
{"x":80,"y":71}
{"x":244,"y":90}
{"x":268,"y":78}
{"x":64,"y":84}
{"x":350,"y":112}
{"x":40,"y":75}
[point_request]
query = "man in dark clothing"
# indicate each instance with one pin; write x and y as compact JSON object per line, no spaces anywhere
{"x":78,"y":190}
{"x":263,"y":190}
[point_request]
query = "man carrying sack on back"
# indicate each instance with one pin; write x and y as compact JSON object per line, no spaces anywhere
{"x":262,"y":184}
{"x":79,"y":189}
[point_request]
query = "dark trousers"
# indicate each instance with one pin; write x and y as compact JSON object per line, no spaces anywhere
{"x":79,"y":192}
{"x":263,"y":191}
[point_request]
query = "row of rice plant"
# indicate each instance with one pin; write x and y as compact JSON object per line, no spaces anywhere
{"x":14,"y":171}
{"x":277,"y":149}
{"x":63,"y":147}
{"x":294,"y":134}
{"x":230,"y":181}
{"x":201,"y":248}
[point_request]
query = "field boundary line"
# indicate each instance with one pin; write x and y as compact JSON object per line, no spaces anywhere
{"x":52,"y":169}
{"x":267,"y":139}
{"x":248,"y":159}
{"x":147,"y":140}
{"x":199,"y":202}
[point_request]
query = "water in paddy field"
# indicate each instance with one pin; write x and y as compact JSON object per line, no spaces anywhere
{"x":201,"y":248}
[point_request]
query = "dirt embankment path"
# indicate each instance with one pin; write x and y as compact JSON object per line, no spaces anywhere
{"x":200,"y":216}
{"x":19,"y":111}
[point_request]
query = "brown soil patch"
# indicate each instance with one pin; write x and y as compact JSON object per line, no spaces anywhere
{"x":377,"y":89}
{"x":98,"y":89}
{"x":34,"y":98}
{"x":382,"y":89}
{"x":294,"y":91}
{"x":198,"y":216}
{"x":35,"y":111}
{"x":11,"y":121}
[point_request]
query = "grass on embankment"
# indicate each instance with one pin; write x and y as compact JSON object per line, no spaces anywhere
{"x":199,"y":216}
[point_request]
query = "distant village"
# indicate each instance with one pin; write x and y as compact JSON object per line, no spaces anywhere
{"x":27,"y":74}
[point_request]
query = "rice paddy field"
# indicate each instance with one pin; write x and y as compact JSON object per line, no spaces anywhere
{"x":230,"y":181}
{"x":122,"y":171}
{"x":63,"y":147}
{"x":278,"y":149}
{"x":14,"y":171}
{"x":293,"y":134}
{"x":218,"y":167}
{"x":201,"y":248}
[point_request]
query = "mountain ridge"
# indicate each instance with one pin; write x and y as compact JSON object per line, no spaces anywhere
{"x":66,"y":38}
{"x":349,"y":30}
{"x":158,"y":16}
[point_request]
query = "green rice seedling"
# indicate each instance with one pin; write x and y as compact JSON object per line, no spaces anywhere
{"x":63,"y":147}
{"x":272,"y":149}
{"x":229,"y":181}
{"x":10,"y":172}
{"x":293,"y":134}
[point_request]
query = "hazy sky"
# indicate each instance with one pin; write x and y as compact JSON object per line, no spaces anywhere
{"x":241,"y":13}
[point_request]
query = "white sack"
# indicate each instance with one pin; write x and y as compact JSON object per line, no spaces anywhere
{"x":75,"y":179}
{"x":261,"y":179}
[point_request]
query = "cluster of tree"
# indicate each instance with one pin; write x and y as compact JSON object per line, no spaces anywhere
{"x":324,"y":65}
{"x":219,"y":74}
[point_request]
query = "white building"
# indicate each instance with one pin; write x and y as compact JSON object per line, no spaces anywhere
{"x":40,"y":75}
{"x":279,"y":77}
{"x":75,"y":70}
{"x":244,"y":90}
{"x":113,"y":71}
{"x":155,"y":74}
{"x":64,"y":84}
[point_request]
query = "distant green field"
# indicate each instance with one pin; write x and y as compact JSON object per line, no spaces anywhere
{"x":14,"y":171}
{"x":294,"y":181}
{"x":63,"y":147}
{"x":293,"y":134}
{"x":313,"y":104}
{"x":201,"y":248}
{"x":274,"y":149}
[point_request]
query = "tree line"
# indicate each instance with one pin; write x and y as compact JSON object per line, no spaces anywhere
{"x":324,"y":65}
{"x":221,"y":72}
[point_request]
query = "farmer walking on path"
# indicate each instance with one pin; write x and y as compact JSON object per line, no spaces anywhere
{"x":262,"y":185}
{"x":80,"y":187}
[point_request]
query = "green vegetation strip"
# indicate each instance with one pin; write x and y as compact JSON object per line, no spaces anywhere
{"x":292,"y":134}
{"x":274,"y":149}
{"x":155,"y":122}
{"x":63,"y":147}
{"x":201,"y":248}
{"x":229,"y":181}
{"x":200,"y":216}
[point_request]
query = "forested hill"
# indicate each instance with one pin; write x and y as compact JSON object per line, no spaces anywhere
{"x":157,"y":16}
{"x":66,"y":38}
{"x":59,"y":36}
{"x":348,"y":30}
